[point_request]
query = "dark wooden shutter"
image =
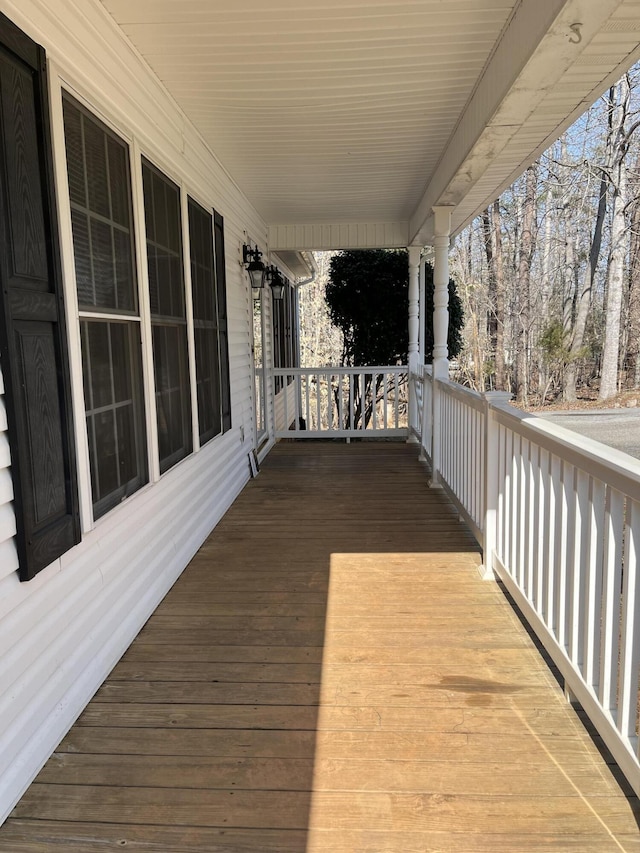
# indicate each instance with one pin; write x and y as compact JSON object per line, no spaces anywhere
{"x":32,"y":337}
{"x":223,"y":336}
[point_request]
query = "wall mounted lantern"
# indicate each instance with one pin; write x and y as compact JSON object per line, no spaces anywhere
{"x":276,"y":281}
{"x":253,"y":265}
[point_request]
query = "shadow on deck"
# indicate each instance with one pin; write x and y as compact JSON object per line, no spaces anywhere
{"x":330,"y":674}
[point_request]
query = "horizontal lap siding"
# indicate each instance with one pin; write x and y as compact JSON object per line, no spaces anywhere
{"x":61,"y":634}
{"x":285,"y":415}
{"x":8,"y":552}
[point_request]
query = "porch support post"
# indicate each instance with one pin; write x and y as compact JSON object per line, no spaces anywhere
{"x":442,"y":230}
{"x":414,"y":331}
{"x":422,"y":305}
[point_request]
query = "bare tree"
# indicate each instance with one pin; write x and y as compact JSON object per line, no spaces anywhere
{"x":618,"y":145}
{"x":523,"y":290}
{"x":584,"y":296}
{"x":633,"y":296}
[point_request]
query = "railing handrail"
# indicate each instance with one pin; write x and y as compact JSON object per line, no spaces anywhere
{"x":335,"y":401}
{"x":335,"y":369}
{"x":615,"y":468}
{"x":467,"y":395}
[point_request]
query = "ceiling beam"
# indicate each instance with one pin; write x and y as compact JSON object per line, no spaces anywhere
{"x":339,"y":235}
{"x":540,"y":42}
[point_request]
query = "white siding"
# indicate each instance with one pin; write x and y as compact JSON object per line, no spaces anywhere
{"x":61,"y":633}
{"x":284,"y":407}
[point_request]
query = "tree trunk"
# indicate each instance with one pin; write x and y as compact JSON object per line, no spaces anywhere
{"x":498,"y":263}
{"x":583,"y":302}
{"x":545,"y":274}
{"x":609,"y":375}
{"x":492,"y":323}
{"x":633,"y":311}
{"x":524,"y":282}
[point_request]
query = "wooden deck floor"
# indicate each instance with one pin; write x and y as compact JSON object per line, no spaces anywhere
{"x":330,"y":674}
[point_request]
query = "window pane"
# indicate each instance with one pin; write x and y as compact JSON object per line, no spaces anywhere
{"x":202,"y":272}
{"x":82,"y":255}
{"x":177,"y":287}
{"x":103,"y":267}
{"x":163,"y":283}
{"x":164,"y":244}
{"x":159,"y":203}
{"x":147,"y":187}
{"x":93,"y":463}
{"x":154,"y":279}
{"x":106,"y":453}
{"x":173,"y":407}
{"x":75,"y":159}
{"x":125,"y":283}
{"x":208,"y":381}
{"x":119,"y":182}
{"x":115,"y":416}
{"x":98,"y":357}
{"x":127,"y":461}
{"x":96,"y":168}
{"x":122,"y":391}
{"x":173,"y":218}
{"x":101,"y":216}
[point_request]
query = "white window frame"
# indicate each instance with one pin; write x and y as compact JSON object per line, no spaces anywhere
{"x":59,"y":83}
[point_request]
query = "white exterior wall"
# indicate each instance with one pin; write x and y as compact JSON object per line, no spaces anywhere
{"x":284,"y":407}
{"x":61,"y":633}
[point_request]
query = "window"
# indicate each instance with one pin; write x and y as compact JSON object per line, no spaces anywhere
{"x":285,"y":333}
{"x":101,"y":215}
{"x":168,"y":316}
{"x":223,"y":335}
{"x":205,"y":322}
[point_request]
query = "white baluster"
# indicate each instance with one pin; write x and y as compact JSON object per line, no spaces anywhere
{"x":630,"y":628}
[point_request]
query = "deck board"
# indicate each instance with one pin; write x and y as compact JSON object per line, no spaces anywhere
{"x":330,"y":674}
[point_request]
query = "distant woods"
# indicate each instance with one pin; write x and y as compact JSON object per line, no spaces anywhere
{"x":549,"y":274}
{"x":356,"y":311}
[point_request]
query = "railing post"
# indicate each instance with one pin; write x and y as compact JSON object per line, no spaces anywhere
{"x":491,"y":486}
{"x":414,"y":330}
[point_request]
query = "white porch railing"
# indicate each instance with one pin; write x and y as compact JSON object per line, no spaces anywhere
{"x":560,"y":526}
{"x":341,"y":402}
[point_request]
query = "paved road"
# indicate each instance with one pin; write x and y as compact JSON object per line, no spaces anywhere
{"x":619,"y":428}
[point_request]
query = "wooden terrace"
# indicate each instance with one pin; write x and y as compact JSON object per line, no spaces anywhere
{"x":330,"y":673}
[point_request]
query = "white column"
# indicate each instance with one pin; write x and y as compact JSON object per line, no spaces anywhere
{"x":414,"y":303}
{"x":421,"y":309}
{"x":414,"y":329}
{"x":442,"y":230}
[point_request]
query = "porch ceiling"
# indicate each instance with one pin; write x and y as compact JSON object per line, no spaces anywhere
{"x":365,"y":113}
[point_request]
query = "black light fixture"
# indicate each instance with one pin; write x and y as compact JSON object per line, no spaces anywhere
{"x":253,"y":265}
{"x":276,"y":281}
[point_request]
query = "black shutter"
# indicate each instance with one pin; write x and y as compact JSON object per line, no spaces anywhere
{"x":223,"y":337}
{"x":32,"y":337}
